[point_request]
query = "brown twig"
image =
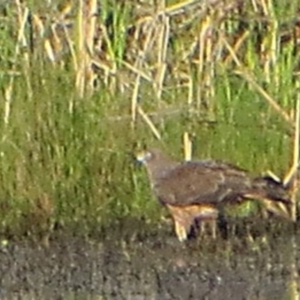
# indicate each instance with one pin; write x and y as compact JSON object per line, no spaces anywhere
{"x":86,"y":32}
{"x":187,"y":146}
{"x":250,"y":79}
{"x":23,"y":17}
{"x":162,"y":46}
{"x":272,"y":102}
{"x":149,"y":122}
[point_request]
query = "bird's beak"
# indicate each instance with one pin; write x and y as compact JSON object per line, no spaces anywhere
{"x":141,"y":156}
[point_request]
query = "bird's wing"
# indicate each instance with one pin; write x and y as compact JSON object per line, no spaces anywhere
{"x":203,"y":182}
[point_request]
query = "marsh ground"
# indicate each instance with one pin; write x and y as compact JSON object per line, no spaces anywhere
{"x":153,"y":267}
{"x":83,"y":87}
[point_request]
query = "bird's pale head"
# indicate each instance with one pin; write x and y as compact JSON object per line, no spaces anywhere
{"x":157,"y":163}
{"x":145,"y":156}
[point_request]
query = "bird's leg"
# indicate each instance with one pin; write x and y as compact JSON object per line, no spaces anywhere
{"x":180,"y":231}
{"x":183,"y":222}
{"x":202,"y":228}
{"x":213,"y":224}
{"x":201,"y":225}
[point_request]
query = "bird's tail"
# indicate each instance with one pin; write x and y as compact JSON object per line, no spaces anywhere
{"x":268,"y":188}
{"x":274,"y":195}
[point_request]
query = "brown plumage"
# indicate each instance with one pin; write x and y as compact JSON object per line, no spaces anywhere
{"x":195,"y":190}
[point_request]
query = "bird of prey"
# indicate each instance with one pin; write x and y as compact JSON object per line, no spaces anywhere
{"x":197,"y":190}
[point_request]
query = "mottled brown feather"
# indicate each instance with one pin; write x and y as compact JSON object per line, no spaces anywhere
{"x":199,"y":182}
{"x":206,"y":182}
{"x":194,"y":190}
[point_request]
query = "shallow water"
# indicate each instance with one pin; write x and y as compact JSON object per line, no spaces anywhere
{"x":156,"y":267}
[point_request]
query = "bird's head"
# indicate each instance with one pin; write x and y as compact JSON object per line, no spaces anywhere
{"x":157,"y":163}
{"x":145,"y":156}
{"x":152,"y":156}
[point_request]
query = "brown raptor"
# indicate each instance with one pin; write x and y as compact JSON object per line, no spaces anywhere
{"x":196,"y":190}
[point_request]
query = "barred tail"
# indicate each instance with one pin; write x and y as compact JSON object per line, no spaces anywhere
{"x":268,"y":188}
{"x":274,"y":195}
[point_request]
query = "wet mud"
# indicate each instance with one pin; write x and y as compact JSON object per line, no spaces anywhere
{"x":152,"y":267}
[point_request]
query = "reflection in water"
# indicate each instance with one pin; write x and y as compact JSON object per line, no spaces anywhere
{"x":153,"y":269}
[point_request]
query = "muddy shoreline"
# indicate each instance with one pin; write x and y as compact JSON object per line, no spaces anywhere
{"x":156,"y":267}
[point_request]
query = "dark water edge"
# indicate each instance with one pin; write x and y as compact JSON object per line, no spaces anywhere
{"x":153,"y":267}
